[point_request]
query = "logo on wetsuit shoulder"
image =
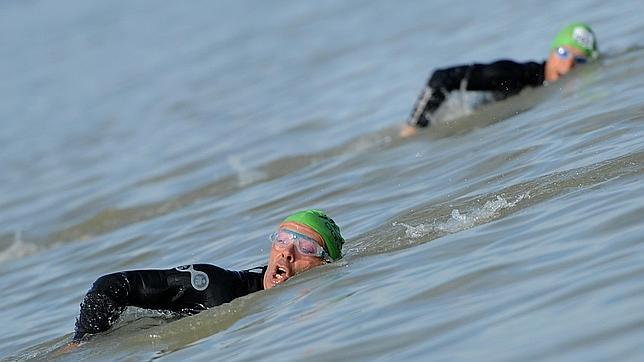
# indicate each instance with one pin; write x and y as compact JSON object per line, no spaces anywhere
{"x":198,"y":279}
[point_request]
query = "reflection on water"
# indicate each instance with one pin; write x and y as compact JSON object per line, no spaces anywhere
{"x":155,"y":136}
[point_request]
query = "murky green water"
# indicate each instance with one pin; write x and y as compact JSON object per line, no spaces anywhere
{"x":153,"y":135}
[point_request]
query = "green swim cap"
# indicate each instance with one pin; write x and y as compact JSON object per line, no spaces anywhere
{"x":323,"y":225}
{"x":579,"y":36}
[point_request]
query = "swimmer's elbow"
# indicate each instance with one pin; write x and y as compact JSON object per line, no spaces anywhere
{"x":102,"y":305}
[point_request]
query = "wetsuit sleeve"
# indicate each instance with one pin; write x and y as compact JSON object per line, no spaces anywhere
{"x":504,"y":77}
{"x":102,"y":305}
{"x":185,"y":290}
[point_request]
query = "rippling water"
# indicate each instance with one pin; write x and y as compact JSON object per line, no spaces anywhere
{"x":147,"y":135}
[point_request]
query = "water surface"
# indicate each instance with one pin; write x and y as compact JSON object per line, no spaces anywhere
{"x":154,"y":135}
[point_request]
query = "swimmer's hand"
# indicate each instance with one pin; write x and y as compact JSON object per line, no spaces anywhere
{"x":407,"y":131}
{"x":68,"y":348}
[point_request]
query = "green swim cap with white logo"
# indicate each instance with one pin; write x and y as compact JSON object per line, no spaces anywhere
{"x":579,"y":36}
{"x":323,"y":225}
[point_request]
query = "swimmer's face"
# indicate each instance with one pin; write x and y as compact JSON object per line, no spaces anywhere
{"x":561,"y":61}
{"x":286,"y":261}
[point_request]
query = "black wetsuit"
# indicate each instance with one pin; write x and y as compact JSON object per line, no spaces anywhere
{"x":184,"y":290}
{"x":502,"y":78}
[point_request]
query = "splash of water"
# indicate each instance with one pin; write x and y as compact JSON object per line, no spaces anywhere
{"x":415,"y":232}
{"x":18,"y":249}
{"x":477,"y":216}
{"x":461,"y":221}
{"x":245,"y":175}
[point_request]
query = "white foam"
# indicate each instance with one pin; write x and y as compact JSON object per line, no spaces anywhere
{"x":477,"y":216}
{"x":415,"y":232}
{"x":245,"y":175}
{"x":18,"y":249}
{"x":461,"y":221}
{"x":460,"y":103}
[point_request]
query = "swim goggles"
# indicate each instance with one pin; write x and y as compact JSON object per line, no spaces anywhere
{"x":564,"y":53}
{"x":303,"y":244}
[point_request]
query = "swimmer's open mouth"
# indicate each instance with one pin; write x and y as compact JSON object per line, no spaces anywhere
{"x":280,"y":275}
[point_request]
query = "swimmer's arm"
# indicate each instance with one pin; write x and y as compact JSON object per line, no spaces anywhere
{"x":505,"y":76}
{"x":502,"y":75}
{"x":169,"y":289}
{"x":112,"y":293}
{"x":432,"y":96}
{"x":102,"y":305}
